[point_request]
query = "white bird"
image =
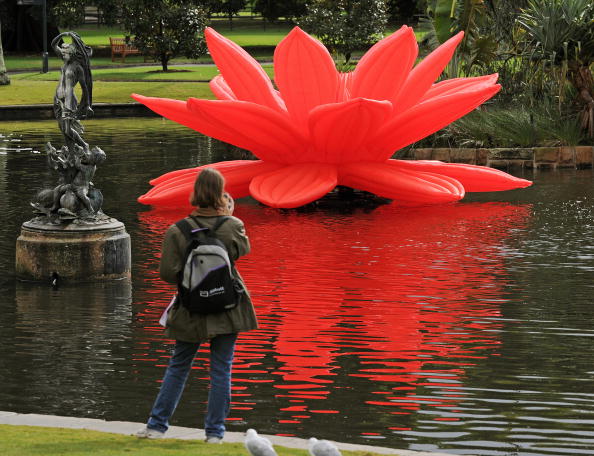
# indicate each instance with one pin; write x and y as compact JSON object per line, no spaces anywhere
{"x":322,"y":448}
{"x":258,"y":446}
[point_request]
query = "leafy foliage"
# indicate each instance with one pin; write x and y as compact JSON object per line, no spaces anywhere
{"x":404,"y":11}
{"x":345,"y":26}
{"x":514,"y":126}
{"x":272,"y":10}
{"x":110,"y":10}
{"x":560,"y":29}
{"x":166,"y":28}
{"x":229,"y":8}
{"x":559,"y":34}
{"x":69,"y":13}
{"x":479,"y":47}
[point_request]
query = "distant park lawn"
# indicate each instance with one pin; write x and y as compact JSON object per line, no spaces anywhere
{"x":139,"y":73}
{"x":21,"y":92}
{"x":32,"y":441}
{"x":114,"y":85}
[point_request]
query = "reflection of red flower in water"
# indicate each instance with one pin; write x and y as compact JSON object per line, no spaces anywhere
{"x":399,"y":297}
{"x":323,"y":128}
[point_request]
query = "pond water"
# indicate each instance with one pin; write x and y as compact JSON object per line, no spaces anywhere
{"x":464,"y":328}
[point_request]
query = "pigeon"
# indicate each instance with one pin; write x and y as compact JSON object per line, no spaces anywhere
{"x":322,"y":448}
{"x":258,"y":446}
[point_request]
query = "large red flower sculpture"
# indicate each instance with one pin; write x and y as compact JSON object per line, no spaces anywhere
{"x":323,"y":128}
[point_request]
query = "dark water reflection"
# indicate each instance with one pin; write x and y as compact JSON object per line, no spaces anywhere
{"x":464,"y":328}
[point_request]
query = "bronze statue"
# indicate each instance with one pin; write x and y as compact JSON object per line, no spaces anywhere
{"x":75,"y":196}
{"x":75,"y":70}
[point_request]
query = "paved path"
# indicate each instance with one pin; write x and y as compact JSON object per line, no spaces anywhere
{"x":176,"y":432}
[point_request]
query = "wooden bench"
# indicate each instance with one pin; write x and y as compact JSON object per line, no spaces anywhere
{"x":119,"y":46}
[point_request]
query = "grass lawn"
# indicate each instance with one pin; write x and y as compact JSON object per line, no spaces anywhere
{"x":114,"y":85}
{"x":150,"y":73}
{"x":31,"y":441}
{"x":21,"y":92}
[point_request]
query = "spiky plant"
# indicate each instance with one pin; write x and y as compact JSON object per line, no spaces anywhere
{"x":559,"y":34}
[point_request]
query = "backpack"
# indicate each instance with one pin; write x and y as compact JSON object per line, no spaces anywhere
{"x":206,"y":284}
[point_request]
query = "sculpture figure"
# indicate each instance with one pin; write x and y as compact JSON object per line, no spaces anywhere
{"x":76,"y":70}
{"x":74,"y":197}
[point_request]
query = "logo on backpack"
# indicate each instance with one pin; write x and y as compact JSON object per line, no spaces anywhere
{"x":206,"y":284}
{"x":213,"y":292}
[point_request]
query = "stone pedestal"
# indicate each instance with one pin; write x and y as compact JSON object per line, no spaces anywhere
{"x":76,"y":252}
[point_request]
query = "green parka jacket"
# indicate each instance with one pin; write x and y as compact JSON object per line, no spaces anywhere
{"x":181,"y":325}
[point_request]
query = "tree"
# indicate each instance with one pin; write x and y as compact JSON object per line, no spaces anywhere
{"x":344,"y":25}
{"x":166,"y":28}
{"x":22,"y":26}
{"x":4,"y":79}
{"x":68,"y":13}
{"x":229,"y":8}
{"x":560,"y":34}
{"x":110,"y":11}
{"x":272,"y":10}
{"x":445,"y":18}
{"x":405,"y":11}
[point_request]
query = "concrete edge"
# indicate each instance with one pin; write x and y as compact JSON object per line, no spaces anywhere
{"x":178,"y":432}
{"x":9,"y":113}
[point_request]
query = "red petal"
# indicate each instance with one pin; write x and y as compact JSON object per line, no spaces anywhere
{"x":294,"y":186}
{"x":425,"y":73}
{"x":250,"y":126}
{"x":180,"y":172}
{"x":427,"y":118}
{"x":221,"y":89}
{"x":381,"y":72}
{"x":345,"y":84}
{"x":176,"y":174}
{"x":407,"y":188}
{"x":474,"y":178}
{"x":450,"y":86}
{"x":176,"y":190}
{"x":340,"y":131}
{"x":305,"y":74}
{"x":265,"y":132}
{"x":243,"y":74}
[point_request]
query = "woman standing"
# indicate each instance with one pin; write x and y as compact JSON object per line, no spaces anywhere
{"x":191,"y":330}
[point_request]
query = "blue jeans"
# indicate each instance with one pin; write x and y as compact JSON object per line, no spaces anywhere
{"x":219,"y":396}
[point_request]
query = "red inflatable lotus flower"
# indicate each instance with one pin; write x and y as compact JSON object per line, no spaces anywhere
{"x":323,"y":128}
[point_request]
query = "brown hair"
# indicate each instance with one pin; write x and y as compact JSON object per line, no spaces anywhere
{"x":209,"y":189}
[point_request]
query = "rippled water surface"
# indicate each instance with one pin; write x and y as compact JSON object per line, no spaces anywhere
{"x":464,"y":328}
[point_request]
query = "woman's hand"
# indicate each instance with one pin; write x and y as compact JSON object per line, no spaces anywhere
{"x":230,"y":204}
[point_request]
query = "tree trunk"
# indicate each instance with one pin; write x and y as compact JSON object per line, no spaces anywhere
{"x":164,"y":61}
{"x":581,"y":78}
{"x":4,"y":79}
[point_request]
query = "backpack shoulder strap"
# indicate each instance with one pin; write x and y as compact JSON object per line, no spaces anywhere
{"x":185,"y":227}
{"x":219,"y":222}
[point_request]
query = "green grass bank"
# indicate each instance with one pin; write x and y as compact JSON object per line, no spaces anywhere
{"x":33,"y":441}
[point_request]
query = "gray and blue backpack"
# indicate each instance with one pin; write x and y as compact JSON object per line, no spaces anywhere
{"x":206,"y":284}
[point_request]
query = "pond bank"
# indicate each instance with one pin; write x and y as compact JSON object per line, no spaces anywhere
{"x":46,"y":111}
{"x":177,"y":432}
{"x":511,"y":157}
